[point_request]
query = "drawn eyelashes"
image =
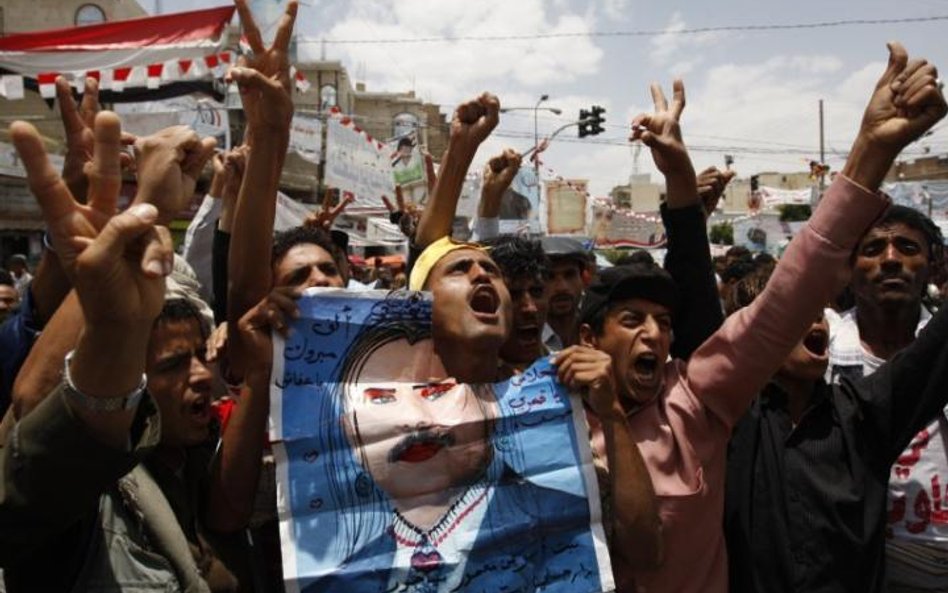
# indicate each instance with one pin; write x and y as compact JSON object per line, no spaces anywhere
{"x":430,"y":392}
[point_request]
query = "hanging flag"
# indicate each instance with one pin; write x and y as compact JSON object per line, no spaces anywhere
{"x":11,"y":87}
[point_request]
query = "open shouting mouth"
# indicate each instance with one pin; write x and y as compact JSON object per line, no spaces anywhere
{"x":485,"y":303}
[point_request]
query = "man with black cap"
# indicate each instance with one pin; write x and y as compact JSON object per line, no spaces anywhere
{"x":564,"y":290}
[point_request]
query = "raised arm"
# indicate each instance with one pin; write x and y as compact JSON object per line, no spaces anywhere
{"x":734,"y":364}
{"x":472,"y":123}
{"x":264,"y":83}
{"x":71,"y":438}
{"x":236,"y":470}
{"x":689,"y":257}
{"x":499,"y":173}
{"x":168,"y":165}
{"x":637,"y":530}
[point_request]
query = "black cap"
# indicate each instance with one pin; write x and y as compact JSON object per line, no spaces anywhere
{"x":633,"y":281}
{"x":564,"y":247}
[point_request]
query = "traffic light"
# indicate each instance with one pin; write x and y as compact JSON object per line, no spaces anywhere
{"x":597,"y":120}
{"x":590,"y":121}
{"x":584,"y":123}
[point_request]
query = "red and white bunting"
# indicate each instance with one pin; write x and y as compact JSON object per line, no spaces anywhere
{"x":47,"y":84}
{"x":145,"y":52}
{"x":154,"y":75}
{"x":11,"y":87}
{"x":302,"y":84}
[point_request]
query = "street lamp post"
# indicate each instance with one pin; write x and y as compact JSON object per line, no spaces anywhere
{"x":536,"y":127}
{"x":536,"y":139}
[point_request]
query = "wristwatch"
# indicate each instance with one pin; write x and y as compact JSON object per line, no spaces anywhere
{"x":101,"y":404}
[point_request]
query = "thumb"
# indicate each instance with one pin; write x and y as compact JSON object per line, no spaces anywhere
{"x":248,"y":78}
{"x":118,"y":233}
{"x":898,"y":58}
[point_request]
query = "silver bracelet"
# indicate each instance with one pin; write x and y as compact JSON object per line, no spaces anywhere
{"x":101,"y":404}
{"x":47,"y":243}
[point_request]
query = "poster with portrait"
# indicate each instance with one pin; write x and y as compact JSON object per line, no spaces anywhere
{"x":391,"y":476}
{"x":408,"y":168}
{"x":520,"y":204}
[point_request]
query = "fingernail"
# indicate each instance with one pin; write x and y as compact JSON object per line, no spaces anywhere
{"x":154,"y":267}
{"x":146,"y":212}
{"x":169,"y":267}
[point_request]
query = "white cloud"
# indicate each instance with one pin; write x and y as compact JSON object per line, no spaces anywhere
{"x":451,"y":70}
{"x":615,"y":9}
{"x":667,"y":46}
{"x":764,"y":113}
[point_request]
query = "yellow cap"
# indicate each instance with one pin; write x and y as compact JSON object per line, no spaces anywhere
{"x":430,"y":257}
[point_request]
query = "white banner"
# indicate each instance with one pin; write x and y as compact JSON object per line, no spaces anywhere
{"x":12,"y":166}
{"x":773,"y":196}
{"x":205,"y":116}
{"x":358,"y":165}
{"x":306,"y":137}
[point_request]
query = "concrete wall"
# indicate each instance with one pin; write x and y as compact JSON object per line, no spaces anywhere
{"x":35,"y":15}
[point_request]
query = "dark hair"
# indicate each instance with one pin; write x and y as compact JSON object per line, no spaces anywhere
{"x":519,"y":257}
{"x":914,"y":219}
{"x":747,"y":289}
{"x":6,"y":278}
{"x":639,"y":256}
{"x":283,"y":241}
{"x":182,"y":310}
{"x":739,"y":252}
{"x":764,"y":259}
{"x":737,"y":270}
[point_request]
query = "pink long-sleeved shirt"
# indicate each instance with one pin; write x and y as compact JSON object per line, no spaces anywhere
{"x":683,"y":433}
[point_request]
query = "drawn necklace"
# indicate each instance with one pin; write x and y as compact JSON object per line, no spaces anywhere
{"x":426,"y":557}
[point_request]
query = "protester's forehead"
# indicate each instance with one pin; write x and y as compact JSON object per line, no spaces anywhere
{"x":525,"y":282}
{"x":893,"y":229}
{"x":461,"y":254}
{"x":307,"y":252}
{"x":169,"y":335}
{"x":637,"y":305}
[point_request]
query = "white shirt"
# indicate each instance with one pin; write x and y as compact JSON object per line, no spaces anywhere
{"x":917,"y":530}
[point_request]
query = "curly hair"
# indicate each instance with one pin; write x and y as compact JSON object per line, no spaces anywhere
{"x":519,"y":257}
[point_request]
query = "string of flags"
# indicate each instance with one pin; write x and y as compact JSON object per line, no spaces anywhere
{"x":336,"y":113}
{"x":151,"y":76}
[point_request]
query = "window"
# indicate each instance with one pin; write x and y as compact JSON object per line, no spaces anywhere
{"x":327,"y":97}
{"x":89,"y":14}
{"x":404,"y":124}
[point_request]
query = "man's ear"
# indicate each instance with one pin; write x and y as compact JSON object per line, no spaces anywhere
{"x":587,"y":337}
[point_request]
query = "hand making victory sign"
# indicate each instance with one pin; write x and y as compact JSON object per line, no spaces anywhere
{"x":327,"y":213}
{"x":71,"y":224}
{"x":264,"y":77}
{"x":661,"y":132}
{"x":78,"y":123}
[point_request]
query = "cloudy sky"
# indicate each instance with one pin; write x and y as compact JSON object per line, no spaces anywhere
{"x":750,"y":94}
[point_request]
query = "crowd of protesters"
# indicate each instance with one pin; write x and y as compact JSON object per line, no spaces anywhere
{"x":756,"y":425}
